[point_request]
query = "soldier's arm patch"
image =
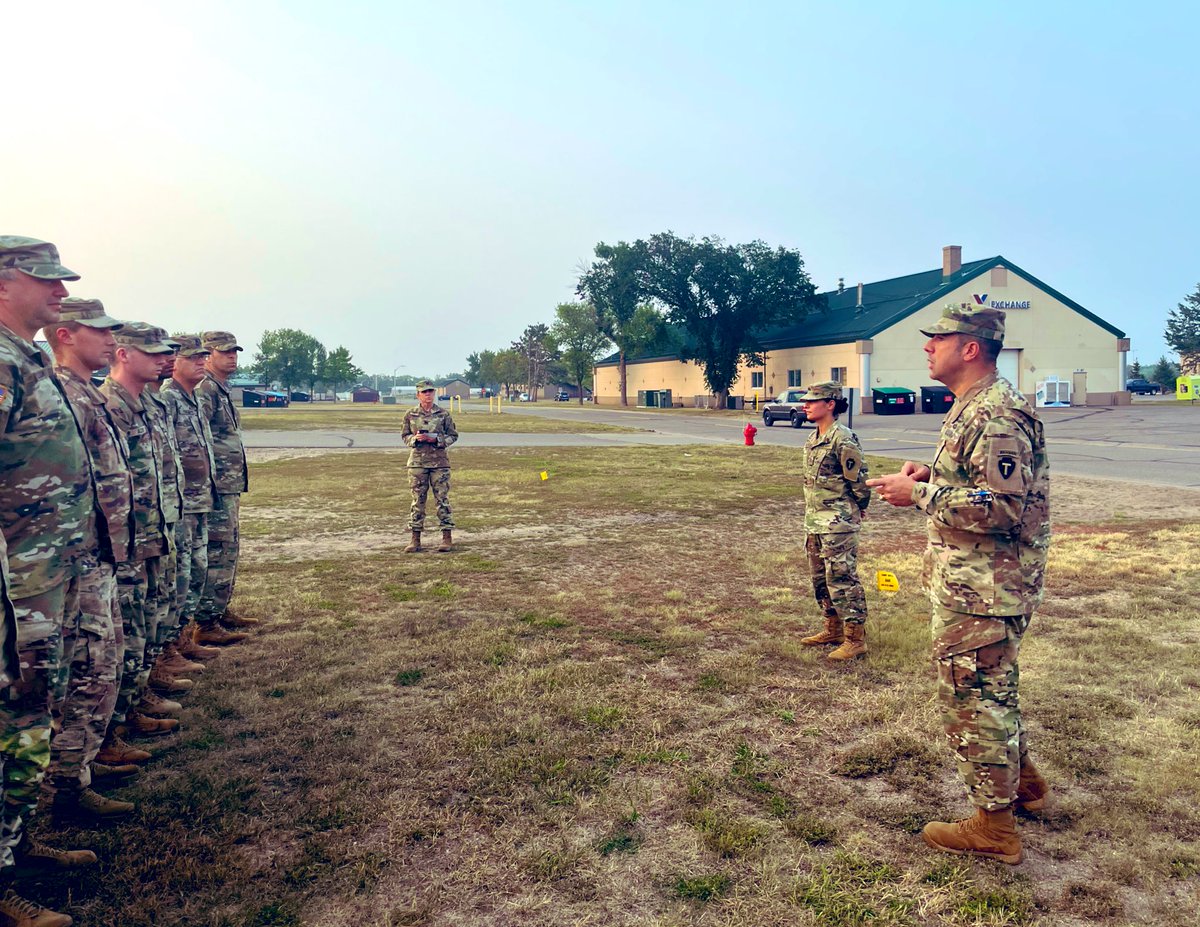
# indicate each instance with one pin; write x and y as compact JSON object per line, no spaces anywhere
{"x":5,"y":397}
{"x":851,"y":458}
{"x":1003,"y":472}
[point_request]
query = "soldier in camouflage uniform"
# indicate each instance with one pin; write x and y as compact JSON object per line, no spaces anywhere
{"x":47,"y":518}
{"x":199,"y":488}
{"x":429,"y":431}
{"x":93,"y":644}
{"x":138,"y":580}
{"x":835,"y":500}
{"x":216,"y":621}
{"x":987,"y":498}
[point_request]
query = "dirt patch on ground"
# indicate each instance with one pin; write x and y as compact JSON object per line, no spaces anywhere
{"x":1077,"y":498}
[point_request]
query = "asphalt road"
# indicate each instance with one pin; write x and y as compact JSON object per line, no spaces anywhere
{"x":1152,"y":441}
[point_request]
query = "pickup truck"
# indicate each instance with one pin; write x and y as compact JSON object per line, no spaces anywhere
{"x":1142,"y":387}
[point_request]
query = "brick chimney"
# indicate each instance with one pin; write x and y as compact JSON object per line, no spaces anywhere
{"x":951,"y":260}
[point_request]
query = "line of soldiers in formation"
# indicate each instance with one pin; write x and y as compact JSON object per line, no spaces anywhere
{"x":119,"y":506}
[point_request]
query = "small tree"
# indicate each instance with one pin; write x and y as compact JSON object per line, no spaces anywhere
{"x":537,"y":347}
{"x":1164,"y":373}
{"x":577,"y":331}
{"x":1183,"y":332}
{"x":340,"y":370}
{"x":509,"y":369}
{"x":1135,"y":370}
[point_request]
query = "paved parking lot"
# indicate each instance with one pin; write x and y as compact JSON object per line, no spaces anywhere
{"x":1155,"y":440}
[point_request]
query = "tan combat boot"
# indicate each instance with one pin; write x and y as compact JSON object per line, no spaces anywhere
{"x":193,"y":650}
{"x":176,"y":663}
{"x":414,"y":546}
{"x":232,"y":619}
{"x":116,"y":752}
{"x":20,"y":912}
{"x":154,"y":705}
{"x":87,"y":805}
{"x":215,"y":634}
{"x":831,"y":635}
{"x":145,"y":726}
{"x":991,"y":834}
{"x":855,"y":644}
{"x":103,"y":773}
{"x":1032,"y":789}
{"x":447,"y":542}
{"x":30,"y":852}
{"x":163,"y":681}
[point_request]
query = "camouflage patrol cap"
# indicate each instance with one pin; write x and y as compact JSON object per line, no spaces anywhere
{"x":89,"y":312}
{"x":190,"y":345}
{"x":830,"y":389}
{"x":220,"y":341}
{"x":980,"y":321}
{"x":143,"y":336}
{"x":423,"y":385}
{"x":166,"y":339}
{"x":34,"y":257}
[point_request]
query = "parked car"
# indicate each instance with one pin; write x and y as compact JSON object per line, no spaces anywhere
{"x":263,"y":398}
{"x":562,"y":396}
{"x":786,"y":407}
{"x":300,"y":396}
{"x":524,"y":397}
{"x":1142,"y":387}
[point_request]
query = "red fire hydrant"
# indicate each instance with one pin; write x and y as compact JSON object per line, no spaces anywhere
{"x":750,"y":431}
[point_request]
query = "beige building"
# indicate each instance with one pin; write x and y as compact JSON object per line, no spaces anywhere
{"x":869,"y":336}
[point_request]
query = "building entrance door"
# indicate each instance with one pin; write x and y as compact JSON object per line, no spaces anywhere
{"x":1009,"y":366}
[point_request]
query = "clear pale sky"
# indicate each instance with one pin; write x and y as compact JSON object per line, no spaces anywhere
{"x":419,"y":181}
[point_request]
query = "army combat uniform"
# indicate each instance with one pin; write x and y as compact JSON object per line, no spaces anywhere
{"x":162,"y":626}
{"x":835,"y":498}
{"x":48,"y":520}
{"x":232,"y":478}
{"x":93,"y":641}
{"x":429,"y":464}
{"x":192,"y":436}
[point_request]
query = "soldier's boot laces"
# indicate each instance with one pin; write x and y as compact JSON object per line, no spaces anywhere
{"x":447,"y":542}
{"x":215,"y":634}
{"x":87,"y":804}
{"x":167,"y":682}
{"x":831,"y":635}
{"x":116,"y":752}
{"x":175,"y":662}
{"x":32,"y":852}
{"x":194,"y":651}
{"x":855,"y":644}
{"x":232,"y":619}
{"x":112,"y":773}
{"x":145,"y":726}
{"x":990,"y":834}
{"x":156,"y":706}
{"x":1032,"y":789}
{"x":20,"y":912}
{"x":414,"y":546}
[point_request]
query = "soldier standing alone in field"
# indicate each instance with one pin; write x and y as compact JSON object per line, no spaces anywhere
{"x":987,"y":497}
{"x":429,"y":431}
{"x":835,"y":499}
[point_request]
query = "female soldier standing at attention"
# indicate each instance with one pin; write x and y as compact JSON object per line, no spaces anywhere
{"x":835,"y":498}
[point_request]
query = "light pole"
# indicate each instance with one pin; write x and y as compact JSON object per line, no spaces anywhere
{"x":395,"y":370}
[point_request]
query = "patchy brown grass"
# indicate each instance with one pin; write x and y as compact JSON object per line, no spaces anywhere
{"x":597,"y":712}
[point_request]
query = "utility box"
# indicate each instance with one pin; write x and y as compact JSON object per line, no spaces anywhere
{"x":1187,"y":388}
{"x":936,"y":400}
{"x":1053,"y":393}
{"x":735,"y":402}
{"x":893,"y":400}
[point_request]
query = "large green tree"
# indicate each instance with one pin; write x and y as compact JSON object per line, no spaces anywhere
{"x":576,"y":330}
{"x":340,"y":370}
{"x":725,"y":297}
{"x":287,"y":356}
{"x":1183,"y":332}
{"x":509,"y":369}
{"x":612,"y":284}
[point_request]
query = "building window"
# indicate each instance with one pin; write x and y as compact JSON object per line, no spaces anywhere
{"x":794,"y":377}
{"x":838,"y":374}
{"x":756,"y":380}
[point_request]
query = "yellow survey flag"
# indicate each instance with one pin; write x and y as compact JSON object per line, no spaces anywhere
{"x":887,"y":581}
{"x":545,"y":474}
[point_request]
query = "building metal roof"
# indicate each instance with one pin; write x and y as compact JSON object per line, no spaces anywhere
{"x":884,"y":303}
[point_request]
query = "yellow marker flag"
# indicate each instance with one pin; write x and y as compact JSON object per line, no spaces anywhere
{"x":545,"y":474}
{"x":887,"y":581}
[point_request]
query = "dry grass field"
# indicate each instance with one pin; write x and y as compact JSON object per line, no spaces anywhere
{"x":369,"y":417}
{"x":596,"y":712}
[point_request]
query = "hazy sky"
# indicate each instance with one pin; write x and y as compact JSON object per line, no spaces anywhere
{"x":419,"y":181}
